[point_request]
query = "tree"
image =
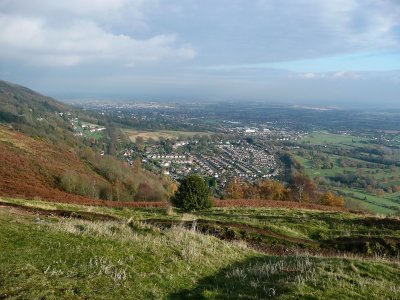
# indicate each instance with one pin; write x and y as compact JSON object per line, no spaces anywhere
{"x":250,"y":140}
{"x":250,"y":191}
{"x":144,"y":191}
{"x":193,"y":194}
{"x":303,"y":188}
{"x":271,"y":190}
{"x":234,"y":189}
{"x":333,"y":200}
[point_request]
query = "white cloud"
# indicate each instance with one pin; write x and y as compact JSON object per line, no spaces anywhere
{"x":85,"y":36}
{"x":308,"y":75}
{"x":92,"y":9}
{"x":346,"y":75}
{"x":361,"y":23}
{"x":327,"y":75}
{"x":311,"y":28}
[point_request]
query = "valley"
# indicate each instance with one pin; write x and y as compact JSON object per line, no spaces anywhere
{"x":297,"y":209}
{"x":199,"y":150}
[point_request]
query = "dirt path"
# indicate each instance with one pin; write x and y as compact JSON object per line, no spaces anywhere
{"x":251,"y":229}
{"x":61,"y":213}
{"x":250,"y":234}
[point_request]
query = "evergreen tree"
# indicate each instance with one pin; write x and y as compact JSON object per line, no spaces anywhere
{"x":193,"y":194}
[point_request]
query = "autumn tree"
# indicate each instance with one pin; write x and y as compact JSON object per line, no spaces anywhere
{"x":332,"y":200}
{"x":250,"y":191}
{"x":302,"y":188}
{"x":143,"y":191}
{"x":271,"y":190}
{"x":234,"y":189}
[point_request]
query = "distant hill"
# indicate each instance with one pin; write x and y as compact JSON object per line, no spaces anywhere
{"x":19,"y":97}
{"x":41,"y":157}
{"x":33,"y":113}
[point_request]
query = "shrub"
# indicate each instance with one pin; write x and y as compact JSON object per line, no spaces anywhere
{"x":333,"y":200}
{"x":192,"y":194}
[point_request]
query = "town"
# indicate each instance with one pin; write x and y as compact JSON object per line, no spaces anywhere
{"x":233,"y":160}
{"x":178,"y":140}
{"x":222,"y":158}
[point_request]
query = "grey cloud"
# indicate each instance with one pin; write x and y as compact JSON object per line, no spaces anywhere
{"x":160,"y":48}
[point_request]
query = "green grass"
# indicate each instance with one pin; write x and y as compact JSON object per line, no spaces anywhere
{"x":78,"y":259}
{"x":97,"y":135}
{"x":300,"y":223}
{"x":55,"y":258}
{"x":326,"y":138}
{"x":377,"y":204}
{"x":389,"y":203}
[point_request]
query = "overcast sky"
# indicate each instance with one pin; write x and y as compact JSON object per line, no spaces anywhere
{"x":333,"y":52}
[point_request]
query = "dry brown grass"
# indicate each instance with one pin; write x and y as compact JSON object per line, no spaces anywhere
{"x":272,"y":203}
{"x":161,"y":134}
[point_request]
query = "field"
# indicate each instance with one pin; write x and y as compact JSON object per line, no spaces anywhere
{"x":324,"y":138}
{"x":96,"y":135}
{"x":329,"y":145}
{"x":161,"y":134}
{"x":108,"y":253}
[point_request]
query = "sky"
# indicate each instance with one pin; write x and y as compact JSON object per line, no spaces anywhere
{"x":336,"y":52}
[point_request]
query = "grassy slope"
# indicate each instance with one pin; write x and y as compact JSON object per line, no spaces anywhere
{"x":67,"y":258}
{"x":42,"y":148}
{"x":30,"y":167}
{"x":33,"y":113}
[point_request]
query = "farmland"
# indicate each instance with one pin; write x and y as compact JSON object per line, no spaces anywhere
{"x":161,"y":134}
{"x":157,"y":253}
{"x":348,"y":158}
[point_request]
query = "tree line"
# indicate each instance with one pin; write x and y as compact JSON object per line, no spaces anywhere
{"x":300,"y":188}
{"x":113,"y":180}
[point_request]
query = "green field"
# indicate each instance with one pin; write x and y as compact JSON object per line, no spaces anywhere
{"x":97,"y":135}
{"x":325,"y":143}
{"x":324,"y":138}
{"x":386,"y":204}
{"x":49,"y":257}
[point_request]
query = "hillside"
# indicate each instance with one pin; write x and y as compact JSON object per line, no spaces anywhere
{"x":36,"y":168}
{"x":31,"y":112}
{"x":107,"y":253}
{"x":41,"y":157}
{"x":29,"y":167}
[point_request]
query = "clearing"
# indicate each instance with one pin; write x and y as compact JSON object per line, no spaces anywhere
{"x":161,"y":134}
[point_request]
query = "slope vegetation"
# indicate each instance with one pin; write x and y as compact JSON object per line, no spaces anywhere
{"x":30,"y":167}
{"x":41,"y":157}
{"x":36,"y":168}
{"x":33,"y":113}
{"x":108,"y":253}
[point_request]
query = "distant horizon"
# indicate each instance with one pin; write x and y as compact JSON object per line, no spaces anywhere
{"x":339,"y":52}
{"x":294,"y":104}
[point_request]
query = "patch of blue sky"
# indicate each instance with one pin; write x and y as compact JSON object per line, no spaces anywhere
{"x":362,"y":62}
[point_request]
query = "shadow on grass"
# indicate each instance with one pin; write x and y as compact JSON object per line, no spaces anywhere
{"x":254,"y":278}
